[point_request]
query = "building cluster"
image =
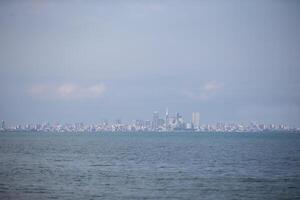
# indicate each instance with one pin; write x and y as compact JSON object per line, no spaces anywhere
{"x":167,"y":123}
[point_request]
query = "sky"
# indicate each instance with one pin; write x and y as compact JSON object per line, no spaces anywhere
{"x":85,"y":61}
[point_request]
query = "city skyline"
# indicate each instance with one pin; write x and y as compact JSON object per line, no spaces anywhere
{"x":165,"y":122}
{"x":234,"y":62}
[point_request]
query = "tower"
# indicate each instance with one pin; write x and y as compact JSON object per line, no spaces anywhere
{"x":155,"y":120}
{"x":196,"y":120}
{"x":167,"y":120}
{"x":3,"y":124}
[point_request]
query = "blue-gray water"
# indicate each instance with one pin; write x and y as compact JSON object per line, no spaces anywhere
{"x":149,"y":166}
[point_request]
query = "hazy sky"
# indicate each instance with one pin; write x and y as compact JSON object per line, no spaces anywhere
{"x":233,"y":61}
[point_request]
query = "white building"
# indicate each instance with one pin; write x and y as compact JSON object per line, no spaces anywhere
{"x":196,"y":120}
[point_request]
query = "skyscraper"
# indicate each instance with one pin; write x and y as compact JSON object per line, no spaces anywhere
{"x":167,"y":120}
{"x":196,"y":120}
{"x":155,"y":120}
{"x":3,"y":124}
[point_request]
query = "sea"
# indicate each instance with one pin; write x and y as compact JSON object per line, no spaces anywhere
{"x":156,"y":166}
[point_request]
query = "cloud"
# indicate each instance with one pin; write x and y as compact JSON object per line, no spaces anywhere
{"x":207,"y":91}
{"x":68,"y":91}
{"x":212,"y":87}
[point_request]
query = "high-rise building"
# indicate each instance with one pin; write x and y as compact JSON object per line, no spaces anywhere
{"x":3,"y":124}
{"x":155,"y":120}
{"x":167,"y":120}
{"x":148,"y":124}
{"x":179,"y":124}
{"x":179,"y":119}
{"x":196,"y":120}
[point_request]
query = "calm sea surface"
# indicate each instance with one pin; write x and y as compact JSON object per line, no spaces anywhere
{"x":149,"y":166}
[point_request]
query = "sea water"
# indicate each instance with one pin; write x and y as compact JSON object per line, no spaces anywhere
{"x":149,"y":166}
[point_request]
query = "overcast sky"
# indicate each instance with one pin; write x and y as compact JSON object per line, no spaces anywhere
{"x":69,"y":61}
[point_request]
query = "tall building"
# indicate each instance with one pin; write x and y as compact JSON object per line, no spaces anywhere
{"x":179,"y":119}
{"x":155,"y":120}
{"x":179,"y":124}
{"x":148,"y":124}
{"x":167,"y":120}
{"x":3,"y":124}
{"x":196,"y":120}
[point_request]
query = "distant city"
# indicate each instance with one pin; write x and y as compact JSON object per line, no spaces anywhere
{"x":167,"y":123}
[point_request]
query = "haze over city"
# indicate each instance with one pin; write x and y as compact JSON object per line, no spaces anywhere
{"x":149,"y":99}
{"x":85,"y":61}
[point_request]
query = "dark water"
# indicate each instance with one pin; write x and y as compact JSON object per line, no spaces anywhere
{"x":149,"y":166}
